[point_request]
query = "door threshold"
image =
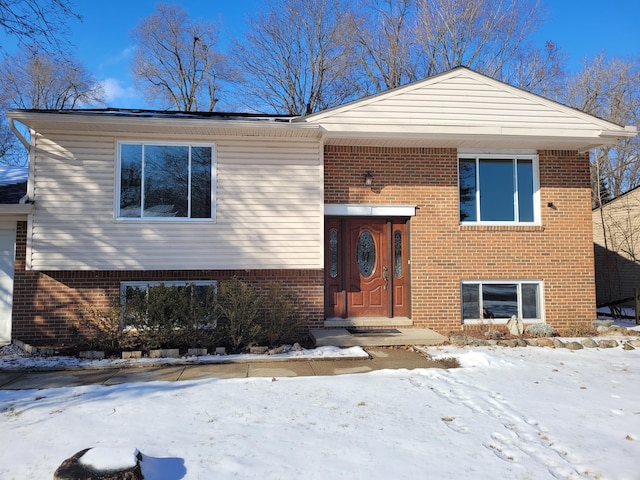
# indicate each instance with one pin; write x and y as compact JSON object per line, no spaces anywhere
{"x":337,"y":322}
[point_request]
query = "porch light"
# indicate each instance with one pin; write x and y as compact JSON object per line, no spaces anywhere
{"x":368,"y":179}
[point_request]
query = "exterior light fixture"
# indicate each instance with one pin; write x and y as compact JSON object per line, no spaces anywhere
{"x":368,"y":179}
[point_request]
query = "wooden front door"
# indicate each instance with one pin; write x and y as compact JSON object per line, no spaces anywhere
{"x":365,"y":268}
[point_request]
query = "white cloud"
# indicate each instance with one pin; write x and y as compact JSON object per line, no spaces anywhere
{"x":118,"y":95}
{"x":123,"y":55}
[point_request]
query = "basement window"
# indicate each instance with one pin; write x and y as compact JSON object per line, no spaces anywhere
{"x":498,"y":301}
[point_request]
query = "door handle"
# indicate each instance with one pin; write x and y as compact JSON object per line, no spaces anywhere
{"x":385,"y":276}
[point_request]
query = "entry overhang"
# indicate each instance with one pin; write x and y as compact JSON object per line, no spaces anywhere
{"x":359,"y":210}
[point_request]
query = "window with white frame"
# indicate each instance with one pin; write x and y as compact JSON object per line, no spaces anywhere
{"x":165,"y":181}
{"x":500,"y":300}
{"x":498,"y":189}
{"x":134,"y":294}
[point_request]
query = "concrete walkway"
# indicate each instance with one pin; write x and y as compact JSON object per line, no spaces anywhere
{"x":354,"y":337}
{"x":379,"y":359}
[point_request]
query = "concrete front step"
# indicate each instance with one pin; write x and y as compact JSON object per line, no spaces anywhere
{"x":342,"y":337}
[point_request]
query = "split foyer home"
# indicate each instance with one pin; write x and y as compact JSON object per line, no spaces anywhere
{"x":446,"y":204}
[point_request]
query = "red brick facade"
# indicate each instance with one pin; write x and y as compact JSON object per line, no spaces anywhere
{"x":443,"y":253}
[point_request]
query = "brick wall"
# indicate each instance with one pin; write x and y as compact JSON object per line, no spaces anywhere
{"x":46,"y":304}
{"x":443,"y":253}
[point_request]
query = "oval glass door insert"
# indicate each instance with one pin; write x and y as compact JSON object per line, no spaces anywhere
{"x":366,"y":254}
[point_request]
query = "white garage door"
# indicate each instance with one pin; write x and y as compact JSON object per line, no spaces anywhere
{"x":7,"y":253}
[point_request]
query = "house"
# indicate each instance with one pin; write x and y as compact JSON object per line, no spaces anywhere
{"x":445,"y":204}
{"x":616,"y":240}
{"x":13,"y":190}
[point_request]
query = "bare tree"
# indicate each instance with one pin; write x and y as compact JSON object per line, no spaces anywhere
{"x":537,"y":70}
{"x":610,"y":89}
{"x":386,"y":53}
{"x":294,"y":57}
{"x":40,"y":81}
{"x":399,"y":41}
{"x":484,"y":35}
{"x":41,"y":23}
{"x":11,"y":151}
{"x":177,"y":62}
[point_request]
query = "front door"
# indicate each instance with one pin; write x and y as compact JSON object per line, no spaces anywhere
{"x":365,"y":268}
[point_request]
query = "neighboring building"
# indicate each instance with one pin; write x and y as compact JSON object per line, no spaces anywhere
{"x":616,"y":240}
{"x":13,"y":190}
{"x":443,"y":204}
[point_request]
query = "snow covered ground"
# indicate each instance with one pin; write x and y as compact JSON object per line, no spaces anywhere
{"x":520,"y":413}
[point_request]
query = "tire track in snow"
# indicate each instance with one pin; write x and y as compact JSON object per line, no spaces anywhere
{"x":522,"y":435}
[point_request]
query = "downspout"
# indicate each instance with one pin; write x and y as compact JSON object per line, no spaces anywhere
{"x":17,"y":133}
{"x":27,"y":145}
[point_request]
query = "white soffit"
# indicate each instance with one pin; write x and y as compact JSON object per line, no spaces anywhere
{"x":357,"y":210}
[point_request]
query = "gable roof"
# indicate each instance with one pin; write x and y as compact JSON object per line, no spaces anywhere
{"x":462,"y":108}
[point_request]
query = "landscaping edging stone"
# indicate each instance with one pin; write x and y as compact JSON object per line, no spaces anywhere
{"x":604,"y":327}
{"x":548,"y":342}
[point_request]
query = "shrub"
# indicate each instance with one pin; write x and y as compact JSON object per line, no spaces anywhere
{"x":284,"y":322}
{"x":172,"y":316}
{"x":238,"y":312}
{"x":579,"y":330}
{"x":101,"y":326}
{"x":540,"y":330}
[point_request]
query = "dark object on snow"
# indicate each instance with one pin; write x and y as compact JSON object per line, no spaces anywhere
{"x":72,"y":469}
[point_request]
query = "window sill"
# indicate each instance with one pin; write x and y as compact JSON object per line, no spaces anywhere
{"x":499,"y":321}
{"x":502,"y":228}
{"x":164,"y":220}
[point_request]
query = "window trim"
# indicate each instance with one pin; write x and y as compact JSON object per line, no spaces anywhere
{"x":503,"y":321}
{"x":143,"y":143}
{"x":503,"y":156}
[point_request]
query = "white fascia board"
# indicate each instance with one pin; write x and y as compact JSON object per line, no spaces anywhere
{"x":35,"y":119}
{"x":11,"y":210}
{"x":358,"y":210}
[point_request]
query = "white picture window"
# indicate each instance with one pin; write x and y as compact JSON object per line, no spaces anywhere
{"x":500,"y":300}
{"x":165,"y":181}
{"x":498,"y":189}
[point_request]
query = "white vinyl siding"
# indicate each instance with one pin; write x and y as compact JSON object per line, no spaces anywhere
{"x":269,"y":209}
{"x":458,"y":101}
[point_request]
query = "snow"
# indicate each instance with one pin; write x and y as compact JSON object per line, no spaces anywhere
{"x":12,"y":175}
{"x":520,"y":413}
{"x":105,"y":459}
{"x":13,"y":358}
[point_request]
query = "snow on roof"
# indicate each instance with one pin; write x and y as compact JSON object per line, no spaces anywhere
{"x":10,"y":175}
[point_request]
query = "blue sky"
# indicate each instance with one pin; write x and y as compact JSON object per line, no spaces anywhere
{"x":582,"y":28}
